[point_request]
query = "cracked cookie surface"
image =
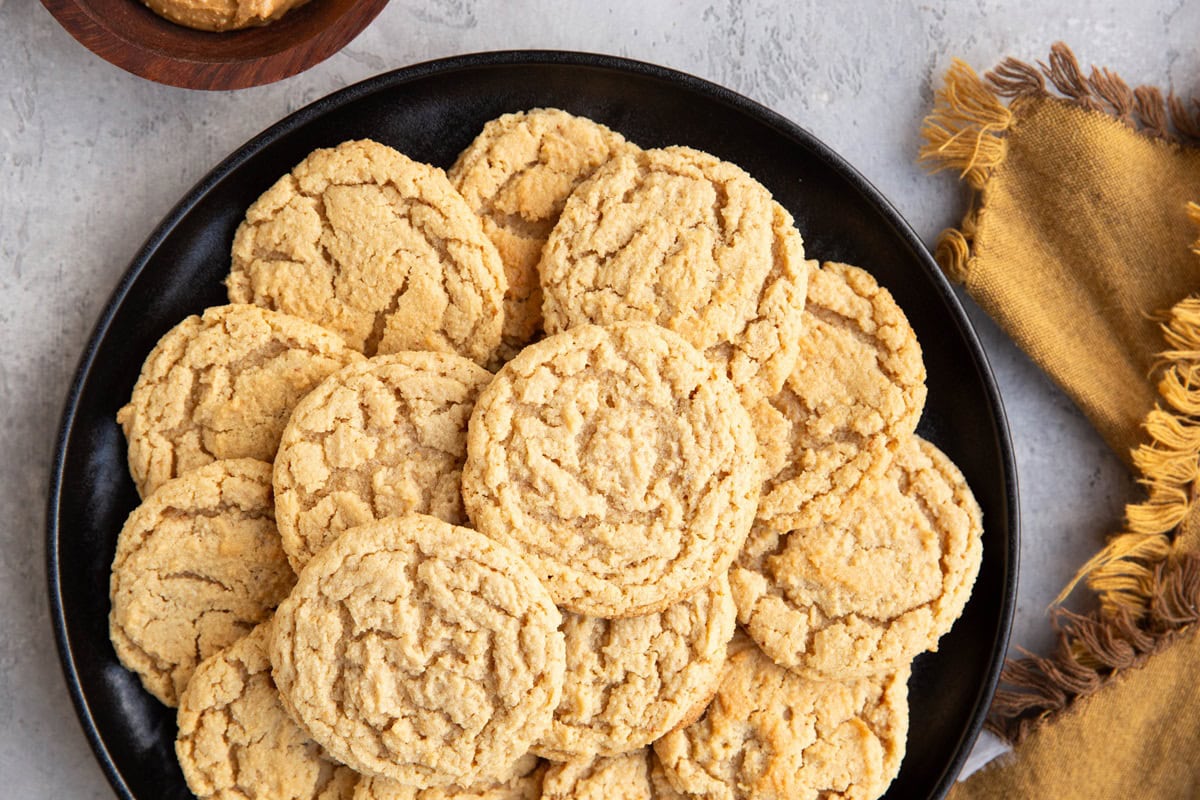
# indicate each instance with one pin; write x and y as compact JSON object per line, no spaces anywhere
{"x":525,"y":783}
{"x":773,"y":735}
{"x":377,"y":247}
{"x":618,"y":462}
{"x":856,"y":391}
{"x":516,"y":176}
{"x":419,"y":651}
{"x":629,"y":681}
{"x":383,"y":437}
{"x":868,"y":587}
{"x":222,"y":386}
{"x":636,"y":775}
{"x":661,"y":787}
{"x":198,"y":565}
{"x":679,"y":238}
{"x":236,"y":741}
{"x":629,"y":776}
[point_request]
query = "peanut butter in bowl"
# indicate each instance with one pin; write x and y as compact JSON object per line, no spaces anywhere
{"x":222,"y":15}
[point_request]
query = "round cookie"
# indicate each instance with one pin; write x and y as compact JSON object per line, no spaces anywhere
{"x":236,"y":741}
{"x":419,"y":651}
{"x":878,"y":581}
{"x":636,"y":775}
{"x":660,"y":783}
{"x":221,"y":386}
{"x":516,"y":176}
{"x":222,"y":15}
{"x":525,"y":783}
{"x":377,"y":247}
{"x":383,"y":437}
{"x":622,"y":777}
{"x":857,"y":389}
{"x":618,"y":462}
{"x":692,"y":243}
{"x":631,"y":680}
{"x":773,"y":735}
{"x":198,"y":565}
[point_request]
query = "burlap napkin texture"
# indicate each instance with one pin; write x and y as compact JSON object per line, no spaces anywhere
{"x":1079,"y":242}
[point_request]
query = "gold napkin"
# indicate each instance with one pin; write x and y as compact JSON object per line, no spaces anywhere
{"x":1077,"y":243}
{"x":1137,"y":738}
{"x":1078,"y":233}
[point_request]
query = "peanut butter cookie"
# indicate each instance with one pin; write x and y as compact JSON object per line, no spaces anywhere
{"x":198,"y":565}
{"x":660,"y":783}
{"x":857,"y":390}
{"x":236,"y":741}
{"x":622,"y":777}
{"x":516,"y":176}
{"x":877,"y":582}
{"x":636,"y":775}
{"x":377,"y":247}
{"x":222,"y":386}
{"x":773,"y":735}
{"x":692,"y":243}
{"x":415,"y":650}
{"x":525,"y":783}
{"x":631,"y":680}
{"x":383,"y":437}
{"x":618,"y":462}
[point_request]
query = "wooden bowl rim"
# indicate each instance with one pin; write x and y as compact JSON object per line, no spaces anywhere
{"x":93,"y":31}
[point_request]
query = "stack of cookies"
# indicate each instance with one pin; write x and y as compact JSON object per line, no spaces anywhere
{"x":560,"y":475}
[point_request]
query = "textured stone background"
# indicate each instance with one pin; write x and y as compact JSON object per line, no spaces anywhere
{"x":91,"y":158}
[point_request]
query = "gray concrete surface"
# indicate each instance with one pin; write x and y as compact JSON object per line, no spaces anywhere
{"x":91,"y":158}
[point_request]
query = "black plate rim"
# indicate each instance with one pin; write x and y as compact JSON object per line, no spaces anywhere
{"x":510,"y":58}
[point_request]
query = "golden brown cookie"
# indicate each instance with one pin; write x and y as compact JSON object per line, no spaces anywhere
{"x":865,"y":589}
{"x":692,"y":243}
{"x":618,"y":462}
{"x":857,"y":390}
{"x":636,"y":775}
{"x":371,"y":244}
{"x":773,"y":735}
{"x":622,"y":777}
{"x":383,"y":437}
{"x":222,"y":15}
{"x":198,"y":565}
{"x":236,"y":741}
{"x":419,"y":651}
{"x":516,"y":176}
{"x":660,"y":783}
{"x":629,"y":681}
{"x":525,"y":783}
{"x":222,"y":386}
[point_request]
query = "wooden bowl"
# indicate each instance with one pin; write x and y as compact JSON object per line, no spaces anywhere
{"x":131,"y":36}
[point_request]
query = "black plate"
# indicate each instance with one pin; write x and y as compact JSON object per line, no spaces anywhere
{"x":430,"y":112}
